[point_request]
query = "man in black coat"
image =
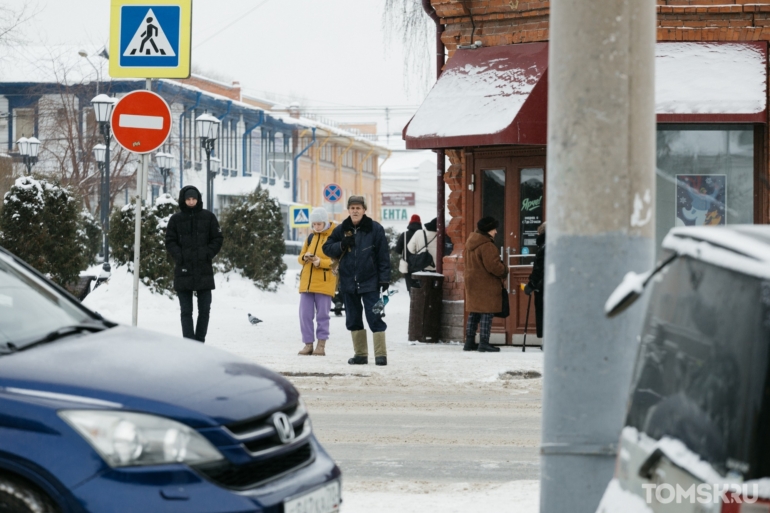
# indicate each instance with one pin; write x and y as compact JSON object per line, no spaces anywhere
{"x":361,"y":247}
{"x":414,"y":226}
{"x":193,"y":238}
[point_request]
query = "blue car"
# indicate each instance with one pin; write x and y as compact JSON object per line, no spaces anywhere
{"x":97,"y":417}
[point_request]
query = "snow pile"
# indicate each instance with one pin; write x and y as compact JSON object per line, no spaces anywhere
{"x":418,"y":497}
{"x":704,"y":78}
{"x":275,"y":342}
{"x":616,"y":499}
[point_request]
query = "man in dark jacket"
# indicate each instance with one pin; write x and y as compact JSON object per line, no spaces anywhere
{"x":364,"y":271}
{"x":193,"y":238}
{"x":414,"y":226}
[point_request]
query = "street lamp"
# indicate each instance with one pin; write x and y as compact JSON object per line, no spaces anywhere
{"x":165,"y":161}
{"x":28,"y":149}
{"x":208,"y":131}
{"x":103,"y":105}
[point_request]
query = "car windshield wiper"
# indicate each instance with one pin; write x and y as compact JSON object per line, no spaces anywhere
{"x":64,"y":331}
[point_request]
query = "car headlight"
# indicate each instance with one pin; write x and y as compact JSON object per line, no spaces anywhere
{"x":126,"y":439}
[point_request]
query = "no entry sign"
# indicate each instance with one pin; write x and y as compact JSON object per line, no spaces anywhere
{"x":141,"y":121}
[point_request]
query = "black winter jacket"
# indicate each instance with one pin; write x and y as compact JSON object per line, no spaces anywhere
{"x":363,"y":267}
{"x":193,"y":238}
{"x":538,"y":269}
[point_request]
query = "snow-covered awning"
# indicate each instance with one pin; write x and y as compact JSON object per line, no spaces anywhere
{"x":711,"y":82}
{"x":498,"y":95}
{"x":492,"y":95}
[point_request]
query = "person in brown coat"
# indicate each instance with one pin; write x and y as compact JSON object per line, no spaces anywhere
{"x":484,"y":272}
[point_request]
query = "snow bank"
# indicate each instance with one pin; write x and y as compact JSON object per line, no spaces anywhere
{"x":275,"y":342}
{"x":617,"y":500}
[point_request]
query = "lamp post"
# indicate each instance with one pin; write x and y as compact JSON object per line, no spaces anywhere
{"x":208,"y":131}
{"x":165,"y":161}
{"x":28,"y":149}
{"x":103,"y":105}
{"x":99,"y":153}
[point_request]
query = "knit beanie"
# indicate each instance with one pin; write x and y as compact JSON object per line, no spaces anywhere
{"x":487,"y":224}
{"x":415,"y":219}
{"x":319,"y":215}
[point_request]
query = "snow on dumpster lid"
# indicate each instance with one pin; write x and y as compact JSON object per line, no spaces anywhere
{"x":492,"y":95}
{"x":711,"y":79}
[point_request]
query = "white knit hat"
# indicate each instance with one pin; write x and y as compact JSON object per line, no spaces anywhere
{"x":319,"y":215}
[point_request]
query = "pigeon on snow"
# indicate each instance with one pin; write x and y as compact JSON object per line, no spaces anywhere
{"x":253,"y":320}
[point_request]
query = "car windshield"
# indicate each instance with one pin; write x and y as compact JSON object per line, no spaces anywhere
{"x":701,"y":375}
{"x":29,"y":308}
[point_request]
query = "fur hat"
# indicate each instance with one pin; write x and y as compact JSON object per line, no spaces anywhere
{"x":357,"y":200}
{"x":487,"y":224}
{"x":319,"y":215}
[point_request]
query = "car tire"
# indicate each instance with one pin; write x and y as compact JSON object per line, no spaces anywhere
{"x":18,"y":497}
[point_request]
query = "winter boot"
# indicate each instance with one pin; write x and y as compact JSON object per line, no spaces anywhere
{"x":380,"y":351}
{"x":470,"y":344}
{"x":307,"y":350}
{"x":319,"y":348}
{"x":484,"y":347}
{"x":360,"y":347}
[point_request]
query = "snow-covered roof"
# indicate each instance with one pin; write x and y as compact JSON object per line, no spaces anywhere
{"x":741,"y":248}
{"x":710,"y":78}
{"x":302,"y":121}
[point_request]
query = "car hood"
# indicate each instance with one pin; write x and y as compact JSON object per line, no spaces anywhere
{"x":145,"y":371}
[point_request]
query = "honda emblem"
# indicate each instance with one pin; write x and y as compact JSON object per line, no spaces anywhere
{"x":283,"y":427}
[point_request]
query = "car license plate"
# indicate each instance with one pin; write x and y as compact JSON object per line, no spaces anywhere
{"x":321,"y":500}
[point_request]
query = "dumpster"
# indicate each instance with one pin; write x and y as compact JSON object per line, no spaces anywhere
{"x":425,"y":307}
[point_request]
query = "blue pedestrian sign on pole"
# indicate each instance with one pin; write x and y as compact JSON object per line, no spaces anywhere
{"x":299,"y":216}
{"x":333,"y":193}
{"x":150,"y":39}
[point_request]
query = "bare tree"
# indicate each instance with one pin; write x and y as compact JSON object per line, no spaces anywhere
{"x":12,"y":23}
{"x":405,"y":21}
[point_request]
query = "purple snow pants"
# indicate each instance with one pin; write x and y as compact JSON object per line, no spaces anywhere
{"x":310,"y":305}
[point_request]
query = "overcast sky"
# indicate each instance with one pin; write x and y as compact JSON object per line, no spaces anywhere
{"x":320,"y":52}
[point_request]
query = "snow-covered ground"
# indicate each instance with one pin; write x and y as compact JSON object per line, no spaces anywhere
{"x":274,"y":343}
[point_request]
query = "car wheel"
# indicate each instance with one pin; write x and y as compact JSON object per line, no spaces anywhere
{"x":17,"y":497}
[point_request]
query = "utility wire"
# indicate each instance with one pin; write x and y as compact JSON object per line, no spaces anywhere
{"x":239,"y":18}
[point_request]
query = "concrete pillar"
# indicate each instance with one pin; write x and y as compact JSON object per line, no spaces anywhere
{"x":601,"y":162}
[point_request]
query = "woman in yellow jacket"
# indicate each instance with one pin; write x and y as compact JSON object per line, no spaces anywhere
{"x":317,"y":284}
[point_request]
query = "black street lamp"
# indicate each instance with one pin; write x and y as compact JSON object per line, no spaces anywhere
{"x":165,"y":162}
{"x":208,"y":131}
{"x":28,"y":149}
{"x":103,"y":105}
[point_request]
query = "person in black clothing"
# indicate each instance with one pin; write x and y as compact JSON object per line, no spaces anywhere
{"x":414,"y":226}
{"x":193,"y":239}
{"x":536,"y":282}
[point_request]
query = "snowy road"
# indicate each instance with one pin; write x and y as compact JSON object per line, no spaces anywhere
{"x":436,"y":430}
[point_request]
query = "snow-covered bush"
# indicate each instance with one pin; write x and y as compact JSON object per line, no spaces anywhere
{"x":156,"y":267}
{"x":90,"y":236}
{"x":392,"y":236}
{"x":253,"y":245}
{"x":40,"y":223}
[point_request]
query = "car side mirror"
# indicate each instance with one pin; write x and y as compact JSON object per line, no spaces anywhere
{"x":629,"y":290}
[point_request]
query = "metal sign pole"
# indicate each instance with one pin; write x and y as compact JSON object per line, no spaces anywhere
{"x":141,"y":184}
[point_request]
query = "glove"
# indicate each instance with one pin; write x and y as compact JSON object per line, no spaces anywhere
{"x":528,"y":289}
{"x":348,"y":242}
{"x":384,"y":286}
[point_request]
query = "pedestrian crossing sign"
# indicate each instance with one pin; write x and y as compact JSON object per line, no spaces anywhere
{"x":299,"y":216}
{"x":150,"y":38}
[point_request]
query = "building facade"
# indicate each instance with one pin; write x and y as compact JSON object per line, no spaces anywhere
{"x":260,"y":144}
{"x":488,"y":110}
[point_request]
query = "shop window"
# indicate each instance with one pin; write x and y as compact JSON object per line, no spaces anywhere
{"x":705,"y":176}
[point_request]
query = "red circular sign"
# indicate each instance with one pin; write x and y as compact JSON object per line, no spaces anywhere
{"x":141,"y":121}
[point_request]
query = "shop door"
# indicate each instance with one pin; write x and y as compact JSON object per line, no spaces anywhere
{"x":512,"y":190}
